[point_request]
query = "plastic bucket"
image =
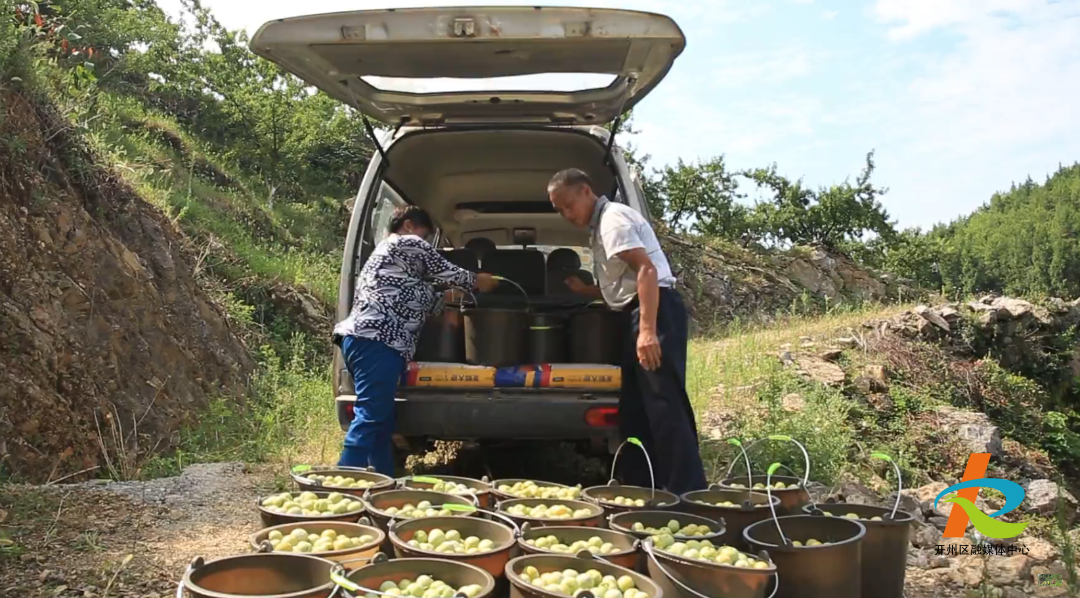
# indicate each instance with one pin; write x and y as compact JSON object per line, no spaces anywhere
{"x":746,"y":508}
{"x":547,"y":563}
{"x":453,"y":573}
{"x":884,"y":548}
{"x":831,"y":570}
{"x":626,"y":547}
{"x":689,"y":578}
{"x":481,"y":488}
{"x":379,"y":482}
{"x":624,"y":522}
{"x":492,"y":561}
{"x":792,"y":498}
{"x":274,"y":575}
{"x":351,"y":558}
{"x":270,"y":518}
{"x":377,"y":504}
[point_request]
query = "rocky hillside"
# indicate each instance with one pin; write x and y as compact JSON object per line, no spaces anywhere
{"x":107,"y":341}
{"x":724,"y":281}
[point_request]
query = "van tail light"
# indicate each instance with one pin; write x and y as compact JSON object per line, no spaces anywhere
{"x":602,"y":417}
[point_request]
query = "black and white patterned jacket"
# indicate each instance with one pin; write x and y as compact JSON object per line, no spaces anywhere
{"x":401,"y":284}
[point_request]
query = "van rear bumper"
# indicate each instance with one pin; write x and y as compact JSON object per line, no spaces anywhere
{"x":533,"y":414}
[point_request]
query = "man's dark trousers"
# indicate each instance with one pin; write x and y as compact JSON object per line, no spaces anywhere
{"x":655,"y":406}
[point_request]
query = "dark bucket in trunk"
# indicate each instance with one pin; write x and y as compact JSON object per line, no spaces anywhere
{"x":442,"y":339}
{"x":547,"y":338}
{"x":496,"y":337}
{"x":596,"y":336}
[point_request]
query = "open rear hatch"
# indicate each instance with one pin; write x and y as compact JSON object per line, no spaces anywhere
{"x":349,"y":55}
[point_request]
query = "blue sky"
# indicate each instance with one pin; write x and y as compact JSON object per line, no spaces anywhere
{"x":958,"y":97}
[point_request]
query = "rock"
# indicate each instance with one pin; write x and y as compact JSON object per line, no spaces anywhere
{"x":1010,"y":570}
{"x":930,"y":316}
{"x":807,"y":345}
{"x":857,"y":494}
{"x":793,"y":402}
{"x":908,"y":503}
{"x":1016,"y":308}
{"x":938,"y":562}
{"x":925,"y":536}
{"x":1042,"y":497}
{"x":819,"y":370}
{"x":846,"y":342}
{"x":974,"y":429}
{"x":939,"y":522}
{"x":831,"y":355}
{"x":1039,"y":550}
{"x":948,"y":313}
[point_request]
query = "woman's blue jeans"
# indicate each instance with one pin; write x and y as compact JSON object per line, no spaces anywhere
{"x":376,"y":369}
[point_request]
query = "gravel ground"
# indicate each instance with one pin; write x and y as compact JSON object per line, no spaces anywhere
{"x":70,"y":540}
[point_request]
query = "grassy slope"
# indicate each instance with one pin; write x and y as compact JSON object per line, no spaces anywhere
{"x":245,"y":247}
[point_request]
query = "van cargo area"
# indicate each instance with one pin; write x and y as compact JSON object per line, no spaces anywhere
{"x":531,"y":360}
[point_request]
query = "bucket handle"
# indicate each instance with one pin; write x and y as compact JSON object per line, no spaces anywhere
{"x":636,"y":442}
{"x":772,"y":508}
{"x":348,"y":587}
{"x":899,"y":479}
{"x":519,"y":287}
{"x":196,"y":563}
{"x":746,"y":458}
{"x":781,"y":437}
{"x":648,"y":548}
{"x":467,"y":509}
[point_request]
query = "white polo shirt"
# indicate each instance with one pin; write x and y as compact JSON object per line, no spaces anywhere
{"x":617,"y":228}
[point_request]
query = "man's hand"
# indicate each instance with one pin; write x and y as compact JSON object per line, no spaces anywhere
{"x":486,"y":283}
{"x":576,"y":285}
{"x":648,"y":349}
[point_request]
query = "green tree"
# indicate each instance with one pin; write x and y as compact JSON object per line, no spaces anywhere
{"x":700,"y":198}
{"x":829,"y":216}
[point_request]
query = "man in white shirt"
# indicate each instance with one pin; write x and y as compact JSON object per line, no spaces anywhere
{"x":634,"y":277}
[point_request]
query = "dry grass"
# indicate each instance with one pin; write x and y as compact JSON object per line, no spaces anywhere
{"x":735,"y":362}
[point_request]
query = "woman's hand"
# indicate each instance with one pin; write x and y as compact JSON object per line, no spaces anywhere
{"x":485,"y":283}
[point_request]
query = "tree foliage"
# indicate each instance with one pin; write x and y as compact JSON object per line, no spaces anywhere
{"x":829,"y":216}
{"x":295,"y":139}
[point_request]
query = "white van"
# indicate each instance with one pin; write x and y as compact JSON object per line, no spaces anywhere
{"x":479,"y":161}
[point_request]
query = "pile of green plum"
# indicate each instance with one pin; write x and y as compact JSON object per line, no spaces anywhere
{"x":571,"y":583}
{"x":337,"y":481}
{"x":760,"y":486}
{"x":673,"y":528}
{"x":452,"y":487}
{"x":547,"y":512}
{"x":595,"y":545}
{"x":308,"y":504}
{"x":854,"y":516}
{"x":705,"y":551}
{"x":422,"y":509}
{"x":299,"y":540}
{"x":530,"y":489}
{"x":449,"y":542}
{"x":425,"y":586}
{"x":624,"y":501}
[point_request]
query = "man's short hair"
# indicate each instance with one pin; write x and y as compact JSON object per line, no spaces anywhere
{"x":414,"y":214}
{"x":571,"y":177}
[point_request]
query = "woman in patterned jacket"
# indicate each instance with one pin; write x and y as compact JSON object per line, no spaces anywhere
{"x":401,"y":284}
